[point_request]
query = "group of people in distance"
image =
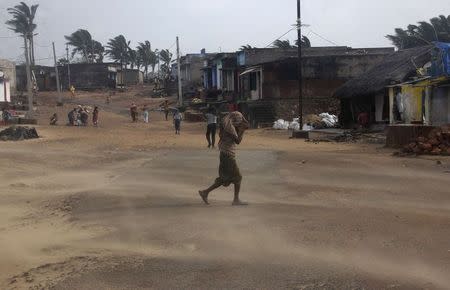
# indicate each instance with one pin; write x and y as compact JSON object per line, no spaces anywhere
{"x":80,"y":117}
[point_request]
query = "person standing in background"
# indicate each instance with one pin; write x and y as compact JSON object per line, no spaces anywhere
{"x":177,"y":117}
{"x":133,"y":112}
{"x":146,"y":113}
{"x":166,"y":109}
{"x":95,"y":116}
{"x":72,"y":91}
{"x":211,"y":120}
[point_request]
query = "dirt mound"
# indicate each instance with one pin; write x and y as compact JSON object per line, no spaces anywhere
{"x":18,"y":133}
{"x":436,"y":143}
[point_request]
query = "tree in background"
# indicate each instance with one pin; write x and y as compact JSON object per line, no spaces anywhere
{"x":306,"y":43}
{"x":118,"y":49}
{"x":23,"y":24}
{"x":62,"y":62}
{"x":145,"y":53}
{"x":82,"y":42}
{"x":154,"y":60}
{"x":133,"y":58}
{"x":166,"y":58}
{"x":286,"y":44}
{"x":438,"y":29}
{"x":246,"y":47}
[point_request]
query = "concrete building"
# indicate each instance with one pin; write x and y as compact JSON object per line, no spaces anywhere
{"x":191,"y":69}
{"x":7,"y":80}
{"x":89,"y":76}
{"x":269,"y":89}
{"x":130,"y":77}
{"x":43,"y":76}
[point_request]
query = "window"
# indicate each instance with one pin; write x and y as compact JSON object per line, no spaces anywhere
{"x":253,"y":82}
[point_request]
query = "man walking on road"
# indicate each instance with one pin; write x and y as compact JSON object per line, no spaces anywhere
{"x":211,"y":119}
{"x":231,"y":133}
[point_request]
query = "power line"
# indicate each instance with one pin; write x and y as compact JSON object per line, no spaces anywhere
{"x":323,"y":38}
{"x":9,"y":37}
{"x":42,"y":46}
{"x":172,"y":46}
{"x":280,"y":37}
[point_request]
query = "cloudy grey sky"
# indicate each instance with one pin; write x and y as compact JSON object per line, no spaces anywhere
{"x":216,"y":24}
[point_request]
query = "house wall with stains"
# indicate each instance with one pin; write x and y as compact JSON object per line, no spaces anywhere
{"x":9,"y":70}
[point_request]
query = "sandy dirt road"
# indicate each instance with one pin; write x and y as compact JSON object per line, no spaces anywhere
{"x":116,"y":207}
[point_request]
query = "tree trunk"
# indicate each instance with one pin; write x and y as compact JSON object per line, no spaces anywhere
{"x":33,"y":61}
{"x":29,"y":84}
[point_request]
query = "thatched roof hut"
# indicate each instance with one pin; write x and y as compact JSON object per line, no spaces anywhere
{"x":395,"y":68}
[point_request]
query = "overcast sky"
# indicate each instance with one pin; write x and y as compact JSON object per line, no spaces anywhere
{"x":217,"y":25}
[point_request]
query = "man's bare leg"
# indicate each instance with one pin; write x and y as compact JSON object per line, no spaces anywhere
{"x":237,"y":190}
{"x":204,"y":193}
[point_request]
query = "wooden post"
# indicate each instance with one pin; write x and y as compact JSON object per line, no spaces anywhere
{"x":180,"y":85}
{"x":58,"y":86}
{"x":300,"y":76}
{"x":428,"y":105}
{"x":391,"y":105}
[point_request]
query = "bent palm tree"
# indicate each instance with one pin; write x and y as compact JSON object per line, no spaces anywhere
{"x":83,"y":44}
{"x":118,"y":49}
{"x":438,"y":29}
{"x":23,"y":24}
{"x":306,"y":43}
{"x":145,"y":54}
{"x":166,"y":58}
{"x":283,"y":44}
{"x":246,"y":47}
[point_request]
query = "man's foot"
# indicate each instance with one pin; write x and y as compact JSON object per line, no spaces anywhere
{"x":239,"y":203}
{"x":204,"y":196}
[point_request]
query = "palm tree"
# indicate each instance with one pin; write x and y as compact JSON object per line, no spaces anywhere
{"x":23,"y":24}
{"x":438,"y":29}
{"x":145,"y":54}
{"x":166,"y":57}
{"x":83,"y":44}
{"x":306,"y":43}
{"x":284,"y":44}
{"x":133,"y":59}
{"x":246,"y":47}
{"x":118,"y":49}
{"x":154,"y":59}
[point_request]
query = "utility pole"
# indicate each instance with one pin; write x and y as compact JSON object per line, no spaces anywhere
{"x":180,"y":86}
{"x":300,"y":75}
{"x":68,"y":67}
{"x":57,"y":76}
{"x":29,"y":84}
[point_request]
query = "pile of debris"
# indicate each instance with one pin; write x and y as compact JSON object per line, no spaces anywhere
{"x":311,"y":122}
{"x":18,"y":133}
{"x":436,"y":143}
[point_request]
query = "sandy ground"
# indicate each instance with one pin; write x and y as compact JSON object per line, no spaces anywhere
{"x":116,"y":207}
